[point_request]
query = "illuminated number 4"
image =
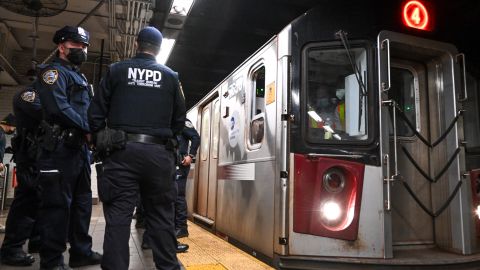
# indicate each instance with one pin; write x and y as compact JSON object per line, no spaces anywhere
{"x":416,"y":15}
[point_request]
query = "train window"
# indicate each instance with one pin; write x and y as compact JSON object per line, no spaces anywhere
{"x":215,"y":128}
{"x":258,"y":106}
{"x":258,"y":102}
{"x":404,"y":92}
{"x":205,"y":134}
{"x":336,"y":104}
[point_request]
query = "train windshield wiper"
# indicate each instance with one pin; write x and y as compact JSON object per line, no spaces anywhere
{"x":363,"y":89}
{"x":343,"y":37}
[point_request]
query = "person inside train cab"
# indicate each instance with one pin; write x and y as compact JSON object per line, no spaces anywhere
{"x":340,"y":107}
{"x":323,"y":113}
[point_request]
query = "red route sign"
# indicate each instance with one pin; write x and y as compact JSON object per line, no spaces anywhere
{"x":415,"y":15}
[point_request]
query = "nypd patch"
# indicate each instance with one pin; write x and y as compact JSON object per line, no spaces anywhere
{"x":188,"y":124}
{"x":50,"y":76}
{"x":28,"y":96}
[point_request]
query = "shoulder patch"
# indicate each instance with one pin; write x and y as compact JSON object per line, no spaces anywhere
{"x":188,"y":124}
{"x":28,"y":96}
{"x":50,"y":76}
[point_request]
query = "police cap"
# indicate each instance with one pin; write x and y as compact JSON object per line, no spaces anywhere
{"x":71,"y":33}
{"x":151,"y":35}
{"x":9,"y":120}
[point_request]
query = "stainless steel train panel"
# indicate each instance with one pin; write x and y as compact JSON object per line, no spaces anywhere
{"x":204,"y":160}
{"x":244,"y":208}
{"x":370,"y":242}
{"x":212,"y":173}
{"x":236,"y":107}
{"x":281,"y":183}
{"x":194,"y":115}
{"x":247,"y":169}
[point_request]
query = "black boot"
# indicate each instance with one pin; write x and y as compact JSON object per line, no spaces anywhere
{"x":17,"y":258}
{"x":78,"y":261}
{"x":181,"y":247}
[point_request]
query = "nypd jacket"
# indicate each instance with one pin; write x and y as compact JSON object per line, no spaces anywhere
{"x":65,"y":95}
{"x":139,"y":96}
{"x":188,"y":134}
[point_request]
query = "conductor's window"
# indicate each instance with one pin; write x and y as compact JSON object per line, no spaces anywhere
{"x":258,"y":106}
{"x":258,"y":102}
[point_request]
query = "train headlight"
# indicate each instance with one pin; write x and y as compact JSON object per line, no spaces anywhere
{"x":334,"y":180}
{"x":477,"y":211}
{"x":331,"y":211}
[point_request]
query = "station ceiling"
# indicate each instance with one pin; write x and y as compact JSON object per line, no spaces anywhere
{"x":216,"y":37}
{"x":220,"y":34}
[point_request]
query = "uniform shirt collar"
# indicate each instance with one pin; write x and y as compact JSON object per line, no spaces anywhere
{"x":145,"y":56}
{"x":65,"y":63}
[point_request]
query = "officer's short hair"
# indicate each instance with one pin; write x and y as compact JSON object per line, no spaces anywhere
{"x":148,"y":47}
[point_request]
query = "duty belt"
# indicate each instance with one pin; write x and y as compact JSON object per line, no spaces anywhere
{"x":144,"y":138}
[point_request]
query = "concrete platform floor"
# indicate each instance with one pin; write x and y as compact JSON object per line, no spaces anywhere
{"x":207,"y":251}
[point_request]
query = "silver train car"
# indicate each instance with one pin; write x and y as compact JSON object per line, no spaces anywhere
{"x":348,"y":141}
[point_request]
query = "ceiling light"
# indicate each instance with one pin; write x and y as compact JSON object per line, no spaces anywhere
{"x":165,"y":50}
{"x":181,"y":7}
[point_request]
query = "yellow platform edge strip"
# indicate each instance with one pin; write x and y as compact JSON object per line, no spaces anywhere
{"x":206,"y":267}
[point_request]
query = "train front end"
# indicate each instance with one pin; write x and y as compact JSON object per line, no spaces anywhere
{"x":379,"y":134}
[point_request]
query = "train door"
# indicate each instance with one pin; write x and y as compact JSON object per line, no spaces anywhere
{"x":207,"y":163}
{"x":426,"y":204}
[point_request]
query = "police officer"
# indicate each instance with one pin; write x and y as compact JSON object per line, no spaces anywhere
{"x":64,"y":162}
{"x":142,"y":100}
{"x":23,"y":211}
{"x":189,"y":134}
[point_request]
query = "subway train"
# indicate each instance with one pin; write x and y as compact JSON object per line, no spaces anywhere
{"x":350,"y":140}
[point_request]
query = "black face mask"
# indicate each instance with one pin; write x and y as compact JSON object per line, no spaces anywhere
{"x":77,"y":56}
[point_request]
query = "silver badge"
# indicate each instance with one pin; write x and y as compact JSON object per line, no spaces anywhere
{"x":81,"y":31}
{"x":188,"y":124}
{"x":28,"y":96}
{"x":50,"y":76}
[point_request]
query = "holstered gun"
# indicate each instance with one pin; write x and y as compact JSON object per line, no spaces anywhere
{"x":73,"y":138}
{"x":25,"y":142}
{"x":172,"y":145}
{"x":107,"y":141}
{"x":50,"y":136}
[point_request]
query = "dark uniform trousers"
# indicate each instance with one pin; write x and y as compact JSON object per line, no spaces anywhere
{"x":181,"y":202}
{"x":148,"y":168}
{"x":21,"y":223}
{"x":66,"y":206}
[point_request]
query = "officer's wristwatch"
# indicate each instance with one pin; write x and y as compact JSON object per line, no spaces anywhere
{"x":192,"y":156}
